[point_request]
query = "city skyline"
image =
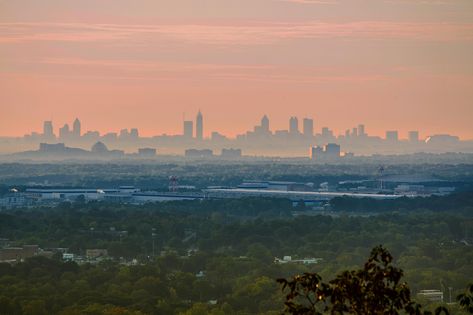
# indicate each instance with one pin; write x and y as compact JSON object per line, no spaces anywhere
{"x":397,"y":64}
{"x":278,"y":123}
{"x":69,"y":126}
{"x":195,"y":129}
{"x":300,"y":135}
{"x":222,"y":156}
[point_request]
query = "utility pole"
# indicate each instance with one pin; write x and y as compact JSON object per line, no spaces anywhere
{"x":153,"y":236}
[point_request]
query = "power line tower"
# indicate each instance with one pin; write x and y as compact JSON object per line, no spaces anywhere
{"x":381,"y":170}
{"x":173,"y":183}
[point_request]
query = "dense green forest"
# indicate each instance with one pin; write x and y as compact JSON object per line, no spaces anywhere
{"x":190,"y":253}
{"x":202,"y":174}
{"x":455,"y":203}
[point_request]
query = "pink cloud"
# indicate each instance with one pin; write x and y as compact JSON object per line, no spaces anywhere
{"x":311,"y":1}
{"x":239,"y":33}
{"x":169,"y":71}
{"x":151,"y":65}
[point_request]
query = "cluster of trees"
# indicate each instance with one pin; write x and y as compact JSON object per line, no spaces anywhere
{"x":202,"y":174}
{"x":377,"y":288}
{"x":455,"y":203}
{"x":236,"y":242}
{"x":168,"y":285}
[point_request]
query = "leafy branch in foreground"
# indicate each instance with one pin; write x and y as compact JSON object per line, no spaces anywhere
{"x":466,"y":299}
{"x":375,"y":289}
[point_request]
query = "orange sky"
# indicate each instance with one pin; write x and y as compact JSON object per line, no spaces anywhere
{"x":390,"y":64}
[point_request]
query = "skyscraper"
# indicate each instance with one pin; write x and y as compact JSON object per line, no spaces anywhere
{"x":76,"y":128}
{"x":308,"y":127}
{"x":354,"y":132}
{"x":124,"y":134}
{"x":328,"y":152}
{"x":327,"y":133}
{"x":188,"y":129}
{"x":361,"y":130}
{"x":332,"y":150}
{"x":293,"y":125}
{"x":265,"y":124}
{"x":48,"y":129}
{"x":199,"y":126}
{"x":134,"y":134}
{"x":413,"y":136}
{"x":316,"y":153}
{"x":392,"y":135}
{"x":64,"y":132}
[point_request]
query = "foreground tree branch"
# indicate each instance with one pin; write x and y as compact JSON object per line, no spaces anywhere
{"x":375,"y":289}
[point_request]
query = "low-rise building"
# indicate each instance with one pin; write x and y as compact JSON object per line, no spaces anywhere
{"x":231,"y":153}
{"x":18,"y":254}
{"x":147,"y":152}
{"x":96,"y":253}
{"x":13,"y":200}
{"x":195,"y":153}
{"x":68,"y":256}
{"x":431,"y":295}
{"x":289,"y":260}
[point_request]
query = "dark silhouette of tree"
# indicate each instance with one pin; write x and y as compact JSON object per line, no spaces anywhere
{"x":466,"y":299}
{"x":375,"y":289}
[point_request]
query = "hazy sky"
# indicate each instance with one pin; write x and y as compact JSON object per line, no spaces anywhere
{"x":390,"y":64}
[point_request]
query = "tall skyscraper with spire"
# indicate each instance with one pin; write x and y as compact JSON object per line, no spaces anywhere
{"x":199,"y":126}
{"x":76,"y":128}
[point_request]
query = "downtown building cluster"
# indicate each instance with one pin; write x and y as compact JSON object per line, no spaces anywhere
{"x":297,"y":140}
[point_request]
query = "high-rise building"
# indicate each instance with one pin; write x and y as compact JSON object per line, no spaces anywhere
{"x":265,"y":124}
{"x":293,"y":125}
{"x":316,"y":153}
{"x":354,"y":132}
{"x":332,"y":150}
{"x":216,"y":136}
{"x":263,"y":128}
{"x":308,"y":127}
{"x":413,"y":136}
{"x":199,"y":126}
{"x":64,"y":132}
{"x":48,"y":129}
{"x":327,"y":133}
{"x":76,"y":128}
{"x":110,"y":137}
{"x":124,"y":134}
{"x":392,"y":135}
{"x":134,"y":134}
{"x":91,"y":135}
{"x":361,"y":130}
{"x":188,"y":129}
